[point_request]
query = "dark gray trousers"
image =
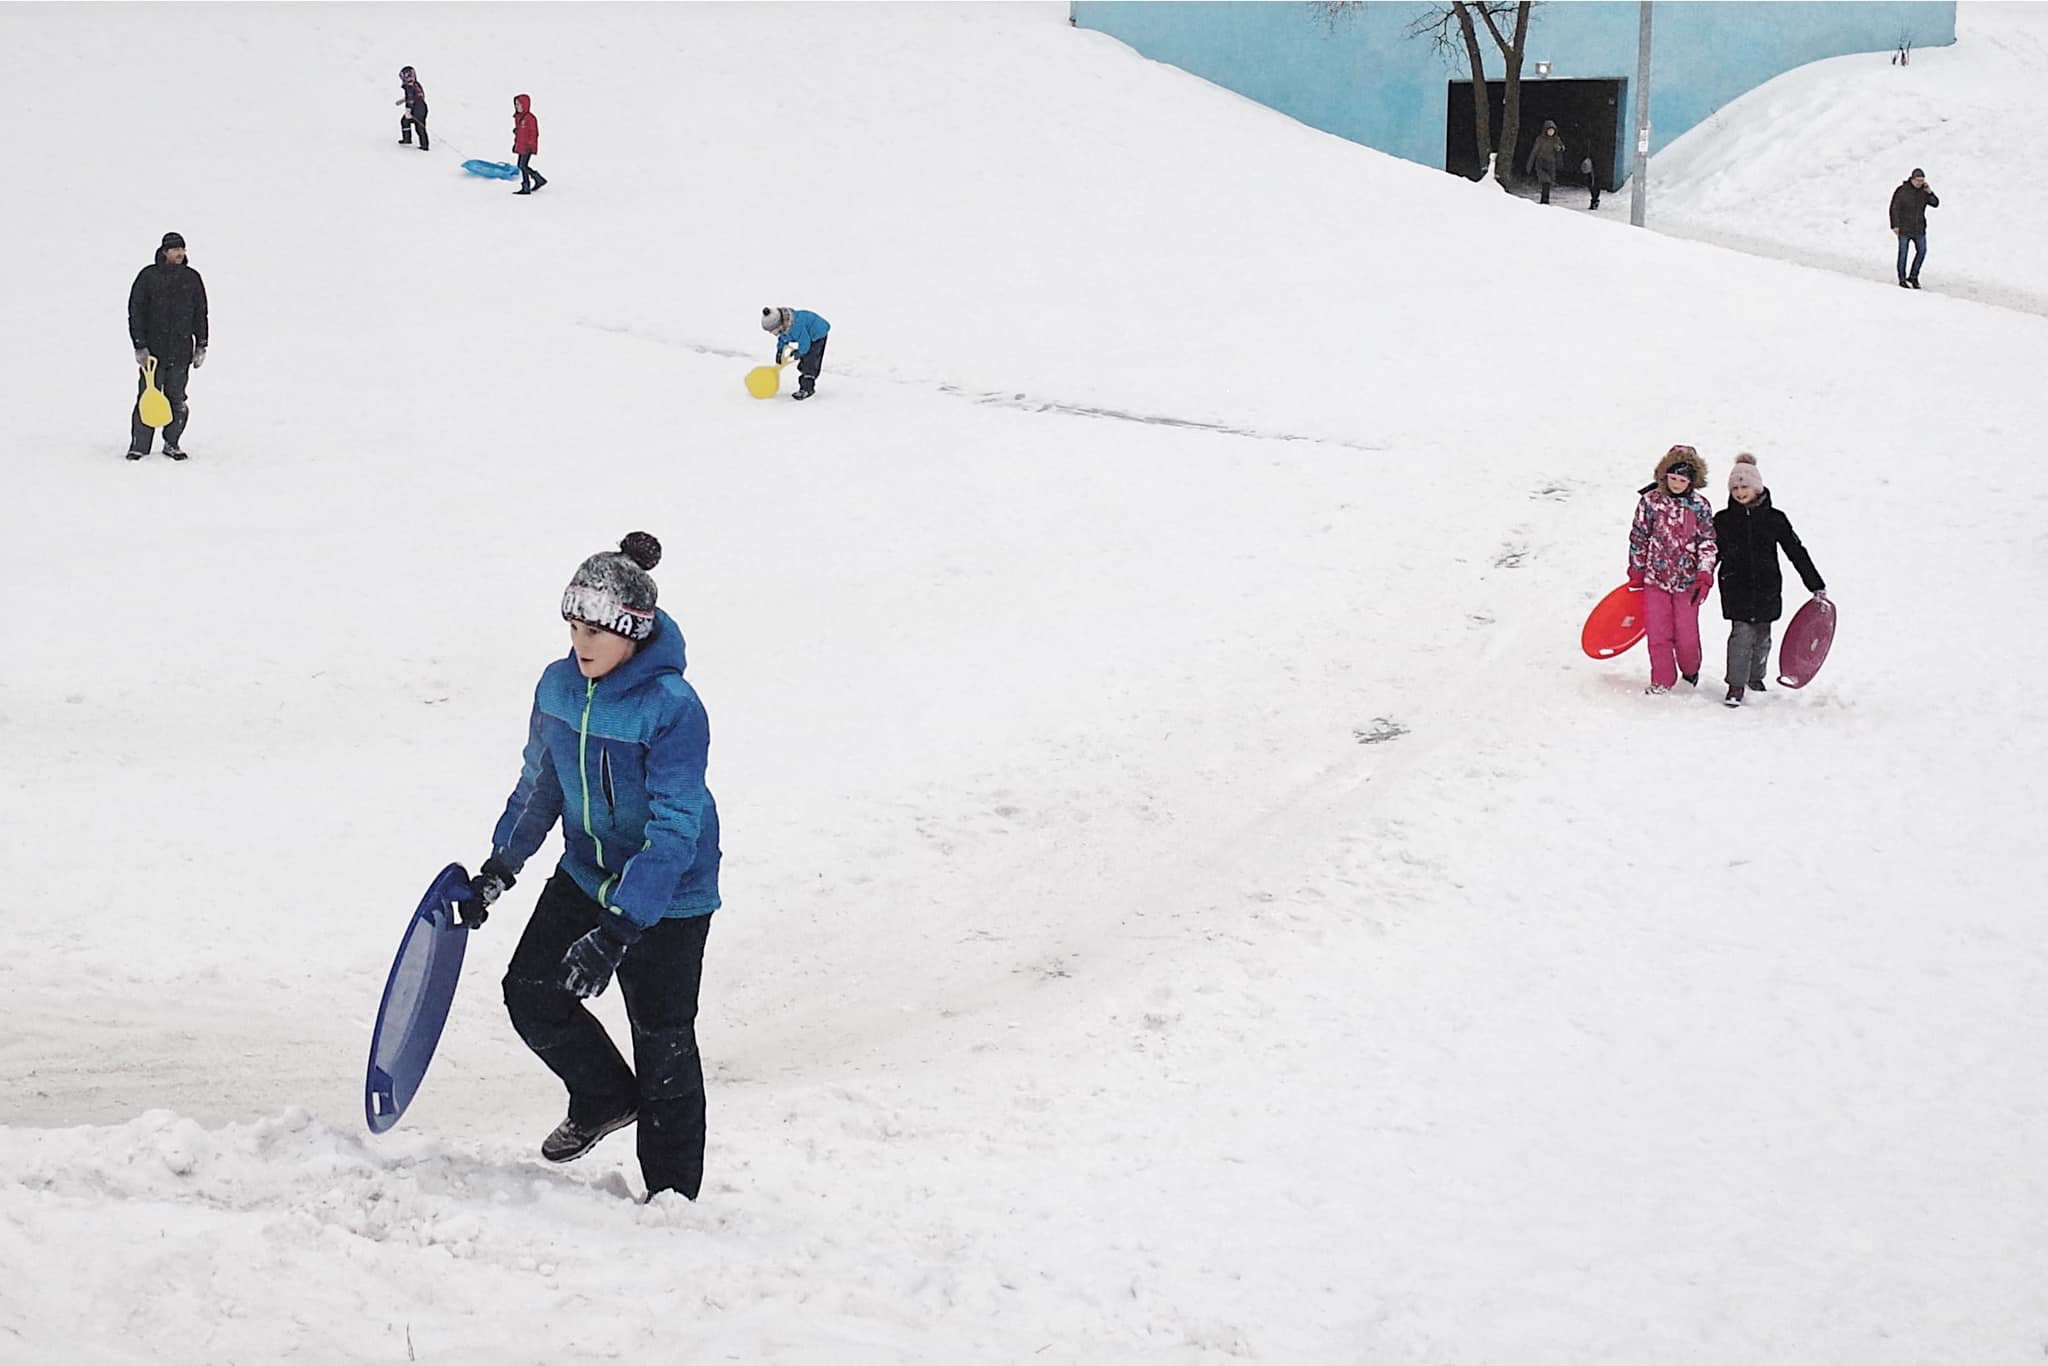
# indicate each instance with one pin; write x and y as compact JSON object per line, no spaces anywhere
{"x":1749,"y":653}
{"x":170,"y":377}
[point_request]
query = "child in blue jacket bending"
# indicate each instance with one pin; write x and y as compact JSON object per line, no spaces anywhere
{"x":615,"y":752}
{"x":799,"y":336}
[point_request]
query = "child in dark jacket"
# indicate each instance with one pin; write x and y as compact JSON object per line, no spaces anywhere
{"x":1750,"y":531}
{"x":413,"y":96}
{"x":615,"y":755}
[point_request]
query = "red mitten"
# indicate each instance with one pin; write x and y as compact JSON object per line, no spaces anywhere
{"x":1702,"y":586}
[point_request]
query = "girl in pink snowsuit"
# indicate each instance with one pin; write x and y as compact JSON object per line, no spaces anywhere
{"x":1671,"y":554}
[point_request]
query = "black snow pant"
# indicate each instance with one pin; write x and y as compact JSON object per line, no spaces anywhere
{"x":659,"y":977}
{"x":415,"y":117}
{"x":808,"y":365}
{"x":170,"y":377}
{"x":529,"y":179}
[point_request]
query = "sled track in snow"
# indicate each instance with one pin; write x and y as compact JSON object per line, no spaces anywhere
{"x":1027,"y":403}
{"x":1021,"y":402}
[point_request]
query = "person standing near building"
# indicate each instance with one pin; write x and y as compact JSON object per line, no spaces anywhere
{"x":1544,"y":159}
{"x":1592,"y":180}
{"x":167,"y":324}
{"x":1910,"y":203}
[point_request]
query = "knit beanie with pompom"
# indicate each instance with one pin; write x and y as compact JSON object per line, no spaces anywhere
{"x":1745,"y":474}
{"x":613,"y":590}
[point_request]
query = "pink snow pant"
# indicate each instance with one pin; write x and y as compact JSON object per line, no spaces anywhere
{"x":1673,"y":620}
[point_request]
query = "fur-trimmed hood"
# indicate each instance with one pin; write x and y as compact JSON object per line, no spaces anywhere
{"x":1689,"y":456}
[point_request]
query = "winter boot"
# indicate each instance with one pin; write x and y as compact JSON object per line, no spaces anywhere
{"x":174,"y":453}
{"x":803,"y":393}
{"x":1734,"y":697}
{"x":136,"y":455}
{"x":1756,"y":685}
{"x":1656,"y":690}
{"x":571,"y":1140}
{"x":1913,"y":281}
{"x":1693,"y":679}
{"x":1904,"y":285}
{"x":524,"y":189}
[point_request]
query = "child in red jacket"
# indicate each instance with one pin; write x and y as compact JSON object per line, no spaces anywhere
{"x":526,"y":143}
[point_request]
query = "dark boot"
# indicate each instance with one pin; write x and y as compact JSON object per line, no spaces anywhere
{"x":1693,"y":679}
{"x":571,"y":1140}
{"x":1733,"y":699}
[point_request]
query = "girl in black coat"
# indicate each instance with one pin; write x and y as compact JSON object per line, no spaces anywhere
{"x":1750,"y":531}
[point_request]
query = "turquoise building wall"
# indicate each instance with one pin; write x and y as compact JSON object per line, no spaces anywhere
{"x":1364,"y":78}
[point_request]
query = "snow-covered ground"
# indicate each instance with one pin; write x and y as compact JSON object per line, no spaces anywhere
{"x":1803,"y":168}
{"x":1187,"y":898}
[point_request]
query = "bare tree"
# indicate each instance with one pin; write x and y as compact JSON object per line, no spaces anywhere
{"x":1436,"y":24}
{"x":1453,"y":30}
{"x":1511,"y":52}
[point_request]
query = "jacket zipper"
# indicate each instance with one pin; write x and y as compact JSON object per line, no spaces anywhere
{"x":583,"y":773}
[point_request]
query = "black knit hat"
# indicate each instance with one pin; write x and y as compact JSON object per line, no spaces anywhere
{"x":171,"y":239}
{"x":613,"y":590}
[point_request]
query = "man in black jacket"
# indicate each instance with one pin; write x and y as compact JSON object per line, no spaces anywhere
{"x":1910,"y":203}
{"x":167,"y":321}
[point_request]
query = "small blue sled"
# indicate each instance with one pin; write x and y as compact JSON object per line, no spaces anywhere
{"x":417,"y":995}
{"x":492,"y":170}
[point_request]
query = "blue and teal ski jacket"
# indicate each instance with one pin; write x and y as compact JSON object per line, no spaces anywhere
{"x":620,"y":760}
{"x":806,"y":329}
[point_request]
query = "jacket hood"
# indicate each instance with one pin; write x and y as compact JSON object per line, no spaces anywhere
{"x":1672,"y":457}
{"x":522,"y":104}
{"x":661,"y":653}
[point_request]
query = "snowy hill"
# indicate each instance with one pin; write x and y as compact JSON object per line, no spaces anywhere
{"x":1186,"y":897}
{"x":1802,"y":168}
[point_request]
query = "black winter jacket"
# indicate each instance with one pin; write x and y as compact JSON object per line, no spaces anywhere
{"x":167,"y":311}
{"x":1910,"y":204}
{"x":1752,"y":588}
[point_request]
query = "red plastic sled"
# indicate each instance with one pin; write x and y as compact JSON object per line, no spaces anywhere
{"x":1806,"y":643}
{"x":1616,"y":624}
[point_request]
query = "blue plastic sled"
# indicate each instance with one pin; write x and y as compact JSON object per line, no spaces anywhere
{"x":492,"y":170}
{"x":416,"y":1000}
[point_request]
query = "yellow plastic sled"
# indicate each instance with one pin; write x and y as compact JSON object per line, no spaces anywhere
{"x":762,"y":381}
{"x":153,"y":406}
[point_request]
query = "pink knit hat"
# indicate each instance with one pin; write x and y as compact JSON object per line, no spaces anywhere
{"x":1744,"y":474}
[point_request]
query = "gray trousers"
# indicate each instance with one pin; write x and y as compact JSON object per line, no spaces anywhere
{"x":1749,"y":653}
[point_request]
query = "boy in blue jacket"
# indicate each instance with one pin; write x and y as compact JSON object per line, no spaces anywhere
{"x":615,"y":752}
{"x":799,"y":336}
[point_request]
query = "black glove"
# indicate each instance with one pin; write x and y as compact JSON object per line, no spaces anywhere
{"x":588,"y":966}
{"x":198,"y":357}
{"x":141,"y":356}
{"x":486,"y":885}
